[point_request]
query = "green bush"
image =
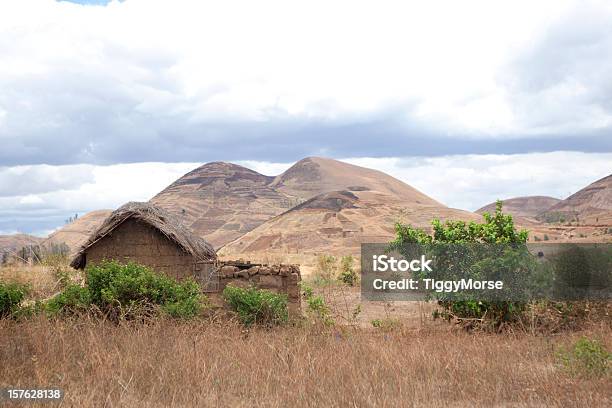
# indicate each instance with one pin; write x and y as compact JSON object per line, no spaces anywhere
{"x":118,"y":288}
{"x":587,"y":357}
{"x":73,"y":300}
{"x":497,"y":229}
{"x":347,"y":271}
{"x":317,"y":308}
{"x":257,"y":306}
{"x":187,"y":301}
{"x":11,"y":296}
{"x":29,"y":310}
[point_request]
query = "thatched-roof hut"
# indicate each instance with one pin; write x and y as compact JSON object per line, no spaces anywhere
{"x":148,"y":235}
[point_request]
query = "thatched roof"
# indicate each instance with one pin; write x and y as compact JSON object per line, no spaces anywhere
{"x":157,"y":218}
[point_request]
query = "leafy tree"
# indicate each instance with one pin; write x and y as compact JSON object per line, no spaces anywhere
{"x":499,"y":231}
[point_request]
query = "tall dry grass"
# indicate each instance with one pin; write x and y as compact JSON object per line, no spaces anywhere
{"x":40,"y":278}
{"x":213,"y":363}
{"x":169,"y":363}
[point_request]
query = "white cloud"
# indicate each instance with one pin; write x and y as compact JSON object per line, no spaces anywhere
{"x":143,"y":69}
{"x":108,"y":188}
{"x":472,"y":181}
{"x":272,"y":81}
{"x":20,"y":180}
{"x":31,"y":199}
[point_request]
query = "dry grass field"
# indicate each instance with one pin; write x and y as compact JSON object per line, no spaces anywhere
{"x":167,"y":363}
{"x":216,"y":362}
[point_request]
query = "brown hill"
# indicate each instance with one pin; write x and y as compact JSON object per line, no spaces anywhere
{"x":315,"y":175}
{"x":524,"y":207}
{"x":222,"y":201}
{"x":12,"y":243}
{"x":591,"y":205}
{"x":77,"y":232}
{"x":338,"y":222}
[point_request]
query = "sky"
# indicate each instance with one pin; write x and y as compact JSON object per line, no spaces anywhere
{"x":106,"y":102}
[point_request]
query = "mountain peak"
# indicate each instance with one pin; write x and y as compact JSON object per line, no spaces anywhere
{"x":312,"y":176}
{"x":221,"y":201}
{"x":219,"y":173}
{"x":224,"y":167}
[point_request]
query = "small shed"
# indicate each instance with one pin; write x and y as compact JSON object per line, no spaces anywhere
{"x":150,"y":236}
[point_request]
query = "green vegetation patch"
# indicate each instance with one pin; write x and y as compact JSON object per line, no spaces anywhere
{"x":128,"y":291}
{"x":586,"y":357}
{"x":347,"y":271}
{"x":73,"y":300}
{"x":11,"y":296}
{"x":318,"y":310}
{"x":118,"y":287}
{"x":498,"y":228}
{"x":257,"y":306}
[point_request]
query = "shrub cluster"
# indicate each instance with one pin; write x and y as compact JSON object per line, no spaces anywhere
{"x":73,"y":300}
{"x":331,"y":269}
{"x":347,"y":271}
{"x":587,"y":357}
{"x":318,"y":310}
{"x":257,"y":306}
{"x":11,"y":296}
{"x":128,"y":291}
{"x":113,"y":286}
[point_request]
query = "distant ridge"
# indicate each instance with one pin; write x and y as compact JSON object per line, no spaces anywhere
{"x":77,"y":232}
{"x":338,"y":222}
{"x":14,"y":242}
{"x":590,"y":205}
{"x":527,"y":207}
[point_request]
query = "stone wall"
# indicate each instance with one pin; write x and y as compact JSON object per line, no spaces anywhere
{"x":283,"y":279}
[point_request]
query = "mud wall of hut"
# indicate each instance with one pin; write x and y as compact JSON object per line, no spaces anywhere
{"x":143,"y":244}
